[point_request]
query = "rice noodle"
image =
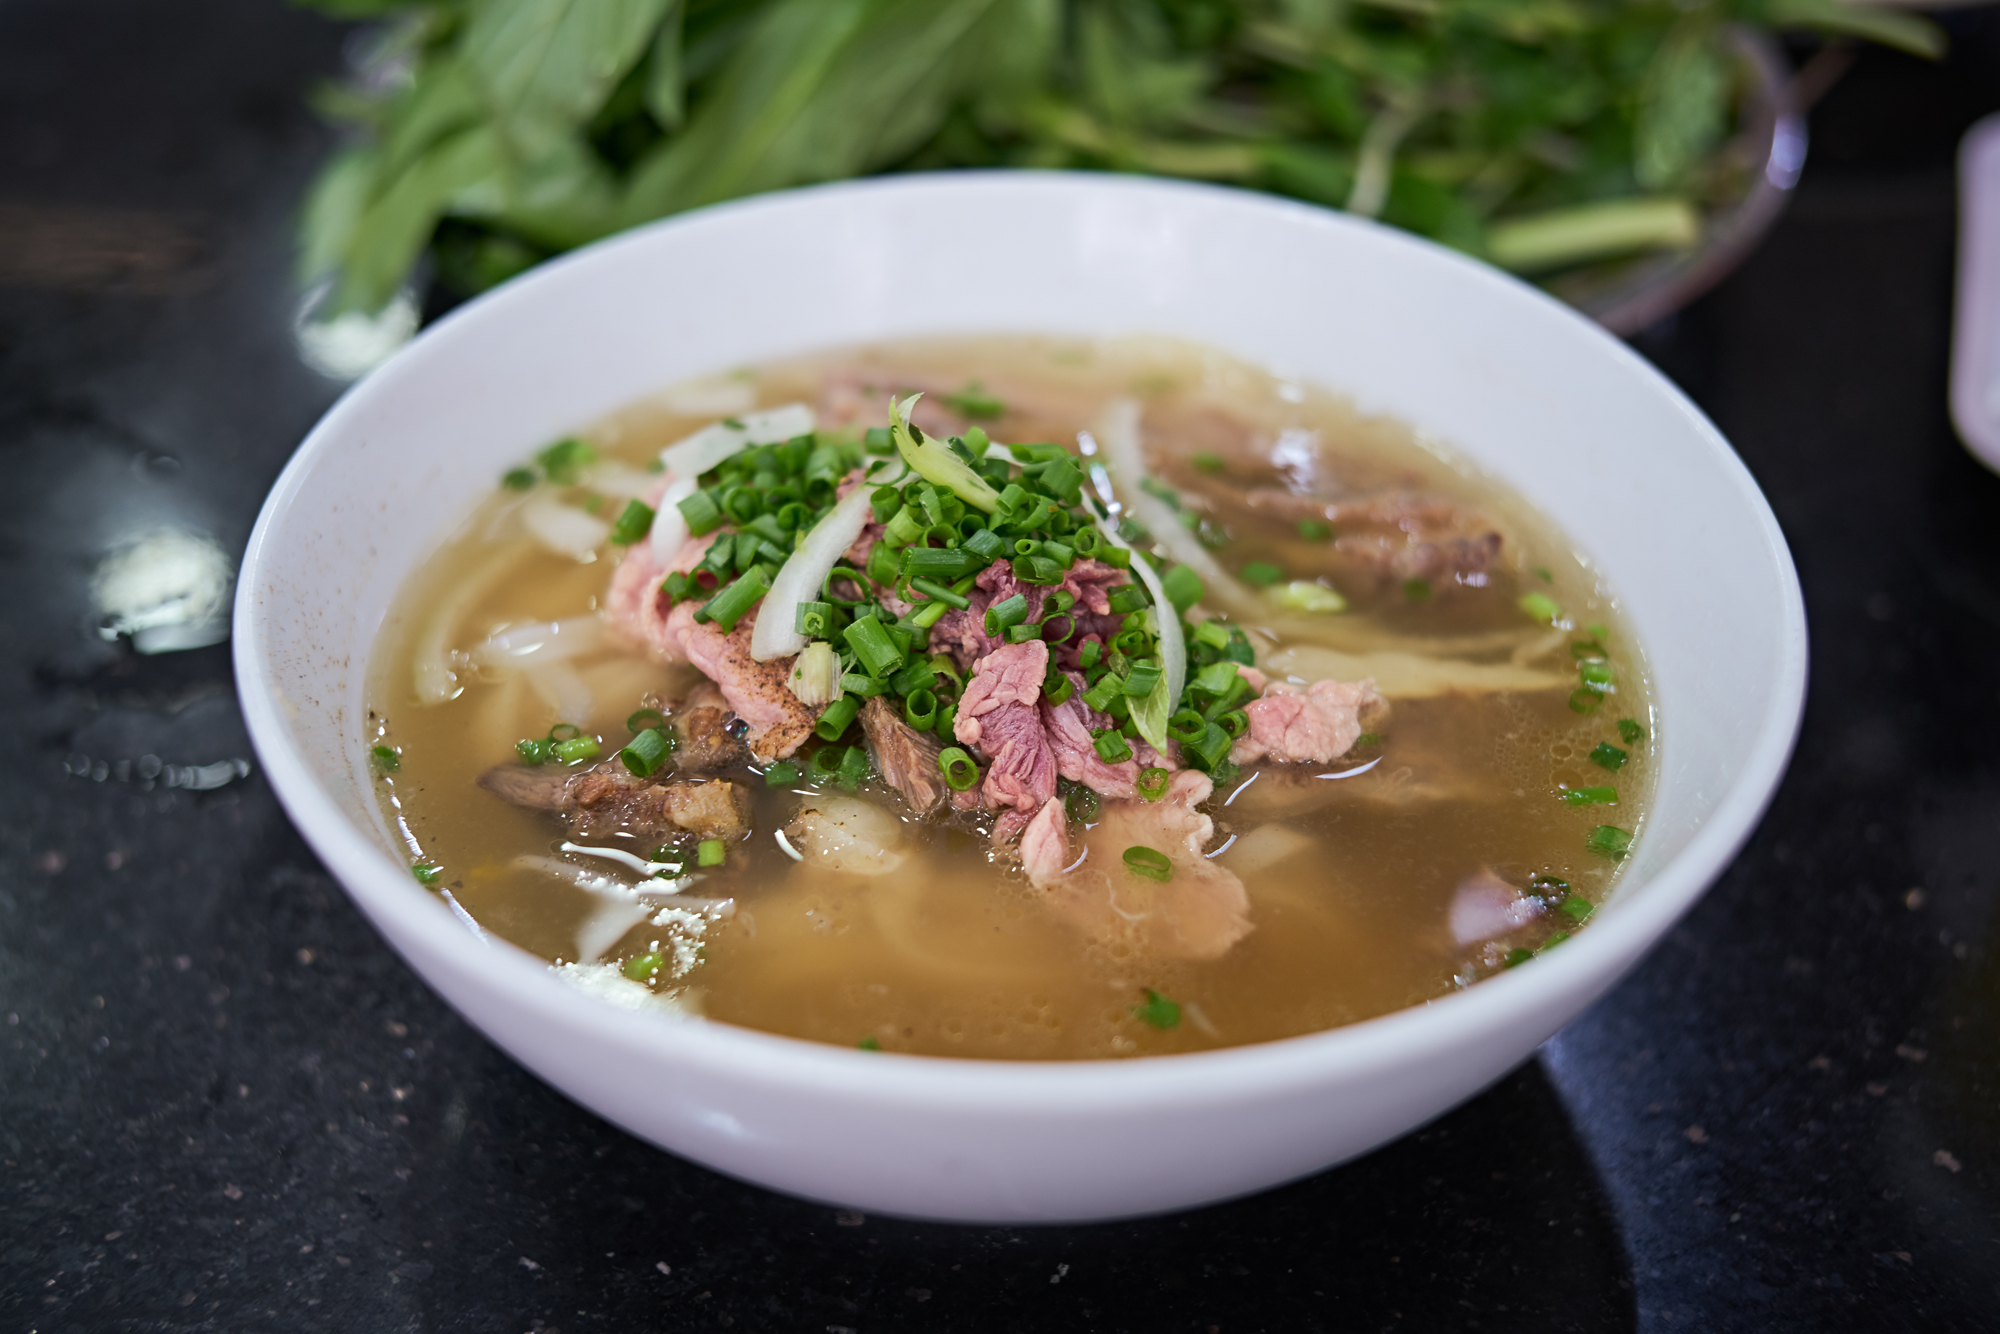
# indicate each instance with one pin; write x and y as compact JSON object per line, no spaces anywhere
{"x":712,"y":444}
{"x":563,"y":690}
{"x":799,"y":579}
{"x":565,"y":529}
{"x":523,"y":646}
{"x":597,"y":882}
{"x":431,"y":662}
{"x":606,"y":926}
{"x":1409,"y":675}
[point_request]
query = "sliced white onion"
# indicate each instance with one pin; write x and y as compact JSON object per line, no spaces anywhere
{"x":434,"y":668}
{"x":539,"y":642}
{"x":815,"y":678}
{"x":804,"y":573}
{"x":564,"y":529}
{"x":712,"y":444}
{"x":1118,"y":437}
{"x":670,"y":526}
{"x":1166,"y":625}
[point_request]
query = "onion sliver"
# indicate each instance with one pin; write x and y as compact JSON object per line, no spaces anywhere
{"x":804,"y":573}
{"x":712,"y":444}
{"x":1151,"y":714}
{"x":670,"y":526}
{"x":564,"y":529}
{"x":542,"y":641}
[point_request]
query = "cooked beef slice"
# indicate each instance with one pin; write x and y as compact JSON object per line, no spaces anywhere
{"x":906,"y":758}
{"x":1198,"y":913}
{"x":1317,"y":724}
{"x":1392,"y":537}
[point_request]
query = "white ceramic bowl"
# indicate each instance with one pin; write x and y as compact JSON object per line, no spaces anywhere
{"x":1528,"y":389}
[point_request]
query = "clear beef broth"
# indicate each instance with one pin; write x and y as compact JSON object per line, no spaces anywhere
{"x":1356,"y":870}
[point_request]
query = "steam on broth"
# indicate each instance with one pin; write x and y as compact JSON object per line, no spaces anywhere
{"x":1203,"y":711}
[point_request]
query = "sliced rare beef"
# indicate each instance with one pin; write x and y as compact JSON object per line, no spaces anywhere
{"x":1198,"y":912}
{"x":605,"y":799}
{"x":1000,"y":716}
{"x":1315,"y":724}
{"x":906,"y":758}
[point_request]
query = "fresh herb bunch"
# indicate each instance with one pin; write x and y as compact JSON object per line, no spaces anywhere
{"x":1535,"y":132}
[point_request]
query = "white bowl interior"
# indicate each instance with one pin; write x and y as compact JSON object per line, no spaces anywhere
{"x":1518,"y":384}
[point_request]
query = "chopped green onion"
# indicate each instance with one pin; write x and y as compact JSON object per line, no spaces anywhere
{"x":578,"y":748}
{"x":564,"y":731}
{"x":836,"y":718}
{"x":1058,"y":688}
{"x":1368,"y":739}
{"x":937,"y":592}
{"x":1553,"y":941}
{"x":646,"y":752}
{"x":782,"y":774}
{"x":1597,"y":675}
{"x":985,"y":544}
{"x":1183,"y":587}
{"x":1092,"y":650}
{"x":633,"y":524}
{"x":701,"y":514}
{"x":1541,"y":607}
{"x":1609,"y":840}
{"x":1111,"y":747}
{"x":1315,"y":530}
{"x":535,"y":751}
{"x":930,"y":614}
{"x":1608,"y":756}
{"x":1516,"y":957}
{"x":642,"y":967}
{"x":1417,"y":590}
{"x":867,"y":687}
{"x":871,"y":1042}
{"x":427,"y":874}
{"x":1158,"y":1011}
{"x":387,"y":758}
{"x":644,"y":718}
{"x":1128,"y":598}
{"x":1187,"y":726}
{"x":1152,"y":783}
{"x":728,"y":607}
{"x":1590,"y":796}
{"x":710,"y":852}
{"x":876,"y":440}
{"x":1235,"y":722}
{"x":824,"y":766}
{"x":1001,"y":615}
{"x":1038,"y":570}
{"x":1630,"y":732}
{"x":1108,"y":688}
{"x":1588,"y":648}
{"x":1261,"y":573}
{"x":872,"y":645}
{"x":959,"y":770}
{"x":518,"y":479}
{"x":1214,"y":634}
{"x":1061,"y":553}
{"x":1547,"y":884}
{"x":563,"y":460}
{"x":1576,"y":908}
{"x":1584,"y":700}
{"x":1021,"y":634}
{"x":1142,"y":678}
{"x":854,"y":767}
{"x":1305,"y":595}
{"x":814,"y":620}
{"x":1208,"y":462}
{"x":1212,"y":748}
{"x":1150,"y":863}
{"x":920,"y":710}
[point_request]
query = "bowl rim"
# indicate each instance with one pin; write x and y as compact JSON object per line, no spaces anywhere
{"x":1590,"y":962}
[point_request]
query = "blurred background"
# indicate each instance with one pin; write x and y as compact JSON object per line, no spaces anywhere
{"x":225,"y":1104}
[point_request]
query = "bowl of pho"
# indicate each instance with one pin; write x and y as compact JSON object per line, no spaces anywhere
{"x":1023,"y":696}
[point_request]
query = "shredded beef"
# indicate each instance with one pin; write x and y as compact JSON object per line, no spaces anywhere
{"x":1069,"y":725}
{"x":1000,"y":715}
{"x":606,"y":800}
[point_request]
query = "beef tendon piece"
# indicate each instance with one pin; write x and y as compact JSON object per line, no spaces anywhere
{"x":606,"y":800}
{"x":906,"y":758}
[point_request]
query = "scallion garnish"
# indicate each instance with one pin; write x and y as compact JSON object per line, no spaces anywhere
{"x":728,"y":607}
{"x":1149,"y":863}
{"x":642,"y":967}
{"x":1575,"y":907}
{"x":1417,"y":590}
{"x":834,"y":721}
{"x":1314,"y":530}
{"x":1590,"y":796}
{"x":1152,"y":783}
{"x":646,"y":751}
{"x":578,"y":748}
{"x":782,"y":774}
{"x":634,"y":523}
{"x":427,"y":873}
{"x":710,"y":852}
{"x":1158,"y":1011}
{"x":1608,"y":756}
{"x":1541,"y":607}
{"x":1609,"y":840}
{"x":1630,"y":732}
{"x":644,"y":718}
{"x":518,"y":479}
{"x":563,"y":461}
{"x":958,"y":768}
{"x":1111,"y":745}
{"x":387,"y":759}
{"x":1585,"y":700}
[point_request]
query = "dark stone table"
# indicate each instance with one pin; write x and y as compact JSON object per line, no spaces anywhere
{"x":225,"y":1104}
